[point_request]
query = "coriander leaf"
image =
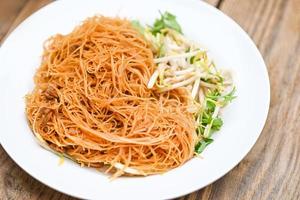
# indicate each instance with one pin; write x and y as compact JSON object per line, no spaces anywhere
{"x":217,"y":124}
{"x":210,"y":106}
{"x":158,"y":25}
{"x":202,"y":145}
{"x":170,"y":21}
{"x":167,"y":20}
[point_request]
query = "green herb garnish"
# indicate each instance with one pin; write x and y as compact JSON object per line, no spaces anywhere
{"x":167,"y":20}
{"x":217,"y":124}
{"x":202,"y":144}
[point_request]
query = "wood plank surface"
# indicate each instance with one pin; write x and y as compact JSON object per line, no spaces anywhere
{"x":272,"y":168}
{"x":9,"y":11}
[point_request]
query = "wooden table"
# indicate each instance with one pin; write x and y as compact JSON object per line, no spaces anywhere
{"x":272,"y":169}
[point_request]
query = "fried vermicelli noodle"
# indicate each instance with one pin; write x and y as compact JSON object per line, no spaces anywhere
{"x":91,"y":102}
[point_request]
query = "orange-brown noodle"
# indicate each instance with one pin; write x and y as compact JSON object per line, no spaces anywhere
{"x":91,"y":103}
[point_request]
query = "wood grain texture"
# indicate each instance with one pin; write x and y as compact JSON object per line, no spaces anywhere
{"x":9,"y":11}
{"x":28,"y":7}
{"x":272,"y":169}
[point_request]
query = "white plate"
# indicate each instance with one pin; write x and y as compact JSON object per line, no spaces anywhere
{"x":230,"y":46}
